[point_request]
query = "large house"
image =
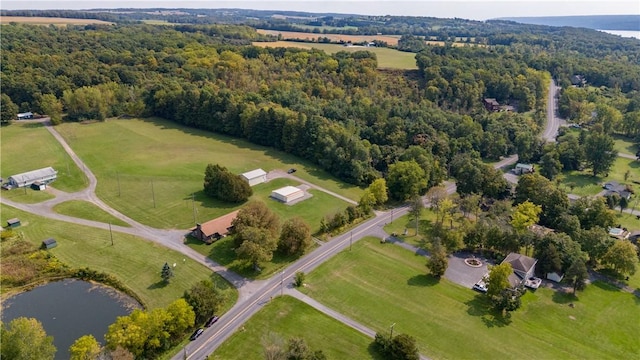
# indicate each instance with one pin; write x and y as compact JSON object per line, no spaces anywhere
{"x":524,"y":269}
{"x":214,"y":229}
{"x":45,"y":175}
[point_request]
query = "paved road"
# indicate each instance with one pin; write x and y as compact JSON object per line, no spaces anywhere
{"x":553,"y":122}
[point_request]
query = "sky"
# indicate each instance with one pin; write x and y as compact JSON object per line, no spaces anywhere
{"x":466,"y":9}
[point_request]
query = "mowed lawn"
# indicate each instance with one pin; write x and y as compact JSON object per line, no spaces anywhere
{"x":152,"y":170}
{"x":382,"y":284}
{"x":27,"y":146}
{"x":286,"y":317}
{"x":585,"y":184}
{"x":387,"y":58}
{"x":87,"y":210}
{"x":134,"y":261}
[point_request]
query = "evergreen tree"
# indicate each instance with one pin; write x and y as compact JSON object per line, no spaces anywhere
{"x":167,"y":272}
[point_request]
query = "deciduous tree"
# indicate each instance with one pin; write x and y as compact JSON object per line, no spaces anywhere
{"x":499,"y":279}
{"x":25,"y":339}
{"x":8,"y":110}
{"x":379,"y":191}
{"x":405,"y":180}
{"x":295,"y":236}
{"x":622,"y":257}
{"x":577,"y":275}
{"x":438,"y":261}
{"x":599,"y":152}
{"x":258,"y":246}
{"x":205,"y":299}
{"x":255,"y":214}
{"x":85,"y":348}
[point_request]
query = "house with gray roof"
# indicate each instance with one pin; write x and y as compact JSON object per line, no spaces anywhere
{"x":524,"y":269}
{"x":44,"y":175}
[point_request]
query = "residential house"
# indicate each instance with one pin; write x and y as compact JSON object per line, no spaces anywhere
{"x":578,"y":80}
{"x":613,"y":187}
{"x":214,"y":229}
{"x":523,"y":169}
{"x":524,"y":268}
{"x":491,"y":104}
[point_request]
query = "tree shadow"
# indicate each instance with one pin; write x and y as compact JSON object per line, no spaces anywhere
{"x":33,"y":125}
{"x":158,"y":285}
{"x":372,"y":349}
{"x":423,"y":280}
{"x":560,"y":296}
{"x":497,"y":319}
{"x":478,"y":306}
{"x":605,"y":286}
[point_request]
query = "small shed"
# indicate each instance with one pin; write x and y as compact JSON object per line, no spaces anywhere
{"x":13,"y":223}
{"x":255,"y":177}
{"x":555,"y":277}
{"x":287,"y":194}
{"x":50,"y":243}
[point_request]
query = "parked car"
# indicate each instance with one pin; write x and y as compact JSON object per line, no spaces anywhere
{"x":291,"y":171}
{"x":482,"y":287}
{"x":196,"y":334}
{"x":212,"y":320}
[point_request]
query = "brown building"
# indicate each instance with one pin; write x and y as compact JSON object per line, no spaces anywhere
{"x":214,"y":229}
{"x":491,"y":104}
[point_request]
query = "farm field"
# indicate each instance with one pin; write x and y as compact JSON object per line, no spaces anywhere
{"x":87,"y":210}
{"x":286,"y":317}
{"x":381,"y":284}
{"x":36,"y":20}
{"x":152,"y":170}
{"x":27,"y":146}
{"x":134,"y":261}
{"x":387,"y":58}
{"x":389,"y":39}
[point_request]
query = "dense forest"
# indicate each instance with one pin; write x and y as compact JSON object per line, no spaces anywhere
{"x":338,"y":110}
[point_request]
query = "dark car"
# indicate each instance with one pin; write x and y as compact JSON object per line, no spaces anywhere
{"x":291,"y":171}
{"x":212,"y":320}
{"x":196,"y":333}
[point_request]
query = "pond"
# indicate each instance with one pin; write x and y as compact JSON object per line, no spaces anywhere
{"x":69,"y":309}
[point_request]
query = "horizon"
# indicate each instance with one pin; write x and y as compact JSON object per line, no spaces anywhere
{"x":464,"y":9}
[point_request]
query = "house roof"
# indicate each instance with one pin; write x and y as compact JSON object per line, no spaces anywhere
{"x":520,"y":262}
{"x":219,"y":225}
{"x":254,"y":174}
{"x":287,"y":190}
{"x":25,"y":114}
{"x":13,"y":221}
{"x":524,"y":166}
{"x":491,"y":101}
{"x":34,"y":174}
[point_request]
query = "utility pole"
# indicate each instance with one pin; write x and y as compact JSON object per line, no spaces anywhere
{"x":153,"y":194}
{"x":391,"y":336}
{"x":118,"y":177}
{"x":111,"y":233}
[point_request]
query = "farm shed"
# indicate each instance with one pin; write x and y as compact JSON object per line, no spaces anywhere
{"x":214,"y":229}
{"x":49,"y":243}
{"x":287,"y":194}
{"x":45,"y":175}
{"x":255,"y":177}
{"x":13,"y":223}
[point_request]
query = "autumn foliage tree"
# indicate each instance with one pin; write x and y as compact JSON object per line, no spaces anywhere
{"x":25,"y":339}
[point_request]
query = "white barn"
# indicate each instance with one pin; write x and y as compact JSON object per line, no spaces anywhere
{"x":255,"y":177}
{"x":287,"y":194}
{"x":45,"y":175}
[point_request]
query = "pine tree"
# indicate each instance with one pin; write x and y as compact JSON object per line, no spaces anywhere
{"x":167,"y":273}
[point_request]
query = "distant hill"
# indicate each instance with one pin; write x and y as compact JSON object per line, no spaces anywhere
{"x":600,"y":22}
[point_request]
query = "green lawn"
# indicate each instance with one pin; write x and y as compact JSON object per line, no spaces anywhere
{"x":387,"y":57}
{"x":287,"y":317}
{"x":26,"y":195}
{"x":27,"y":146}
{"x":136,"y":262}
{"x":379,"y":285}
{"x":585,"y":184}
{"x":87,"y":210}
{"x":149,"y":169}
{"x":625,"y":145}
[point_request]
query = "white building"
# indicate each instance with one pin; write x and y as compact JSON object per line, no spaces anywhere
{"x":287,"y":194}
{"x":45,"y":175}
{"x":255,"y":177}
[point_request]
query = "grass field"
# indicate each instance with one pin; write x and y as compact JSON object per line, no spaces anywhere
{"x":379,"y":285}
{"x":134,"y":261}
{"x":587,"y":185}
{"x":87,"y":210}
{"x":389,"y":39}
{"x":35,"y":20}
{"x":27,"y":146}
{"x":623,"y":144}
{"x":387,"y":58}
{"x":287,"y":317}
{"x":150,"y":169}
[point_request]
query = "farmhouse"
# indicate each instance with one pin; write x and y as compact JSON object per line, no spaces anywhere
{"x":287,"y":194}
{"x":524,"y":268}
{"x":214,"y":229}
{"x":25,"y":116}
{"x":255,"y":177}
{"x":45,"y":175}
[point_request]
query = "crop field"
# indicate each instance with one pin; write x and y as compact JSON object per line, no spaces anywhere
{"x":27,"y":146}
{"x":36,"y":20}
{"x":286,"y":317}
{"x":381,"y":284}
{"x":387,"y":58}
{"x":389,"y":39}
{"x":134,"y":261}
{"x":152,"y":170}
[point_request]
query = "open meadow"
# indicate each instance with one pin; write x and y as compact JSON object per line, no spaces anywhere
{"x":26,"y":146}
{"x":286,"y":317}
{"x":37,"y":20}
{"x":387,"y":58}
{"x":136,"y":262}
{"x":381,"y":284}
{"x":152,"y":170}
